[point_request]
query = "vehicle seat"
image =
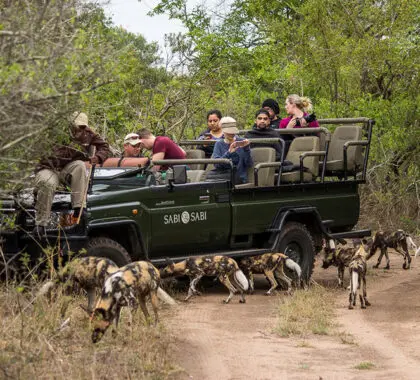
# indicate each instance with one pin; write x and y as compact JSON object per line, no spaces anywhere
{"x":299,"y":146}
{"x":195,"y":154}
{"x":335,"y":158}
{"x":196,"y":175}
{"x":265,"y":175}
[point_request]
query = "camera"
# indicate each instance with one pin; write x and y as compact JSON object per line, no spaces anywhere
{"x":308,"y":118}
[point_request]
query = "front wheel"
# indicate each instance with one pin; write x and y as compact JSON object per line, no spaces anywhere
{"x":110,"y":249}
{"x":296,"y":242}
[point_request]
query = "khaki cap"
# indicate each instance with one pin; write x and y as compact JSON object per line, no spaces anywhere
{"x":228,"y":125}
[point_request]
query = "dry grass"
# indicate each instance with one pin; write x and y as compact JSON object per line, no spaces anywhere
{"x":306,"y":312}
{"x":34,"y":344}
{"x":365,"y":365}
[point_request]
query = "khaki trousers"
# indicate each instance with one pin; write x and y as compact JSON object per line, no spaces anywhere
{"x":47,"y":181}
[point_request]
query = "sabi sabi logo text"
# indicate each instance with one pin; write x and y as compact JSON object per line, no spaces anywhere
{"x":185,"y":217}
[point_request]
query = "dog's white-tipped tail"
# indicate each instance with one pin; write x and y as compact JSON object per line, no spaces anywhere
{"x":417,"y":252}
{"x":354,"y":281}
{"x":293,"y":265}
{"x":165,"y":297}
{"x":241,"y":280}
{"x":411,"y":244}
{"x":45,"y":288}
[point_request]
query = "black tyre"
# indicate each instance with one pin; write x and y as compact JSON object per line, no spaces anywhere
{"x":296,"y":242}
{"x":110,"y":249}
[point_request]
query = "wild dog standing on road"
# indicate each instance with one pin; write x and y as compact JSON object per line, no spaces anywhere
{"x":225,"y":268}
{"x":399,"y":240}
{"x":357,"y":268}
{"x":129,"y":285}
{"x":89,"y":273}
{"x":272,"y":265}
{"x":339,"y":257}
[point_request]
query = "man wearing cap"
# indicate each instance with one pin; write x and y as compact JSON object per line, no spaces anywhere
{"x":66,"y":166}
{"x":162,"y":147}
{"x":234,"y":148}
{"x":132,"y":145}
{"x":273,"y":109}
{"x":263,"y":130}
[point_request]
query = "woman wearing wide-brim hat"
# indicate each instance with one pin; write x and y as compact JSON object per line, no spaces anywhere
{"x":234,"y":148}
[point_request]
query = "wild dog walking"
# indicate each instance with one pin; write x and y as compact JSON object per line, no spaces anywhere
{"x":357,"y":268}
{"x":272,"y":266}
{"x":399,"y":240}
{"x":89,"y":273}
{"x":339,"y":257}
{"x":129,"y":286}
{"x":225,"y":268}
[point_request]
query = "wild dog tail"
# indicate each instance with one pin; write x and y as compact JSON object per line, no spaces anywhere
{"x":47,"y":287}
{"x":294,"y":266}
{"x":240,"y":280}
{"x":165,"y":297}
{"x":411,"y":244}
{"x":354,"y":280}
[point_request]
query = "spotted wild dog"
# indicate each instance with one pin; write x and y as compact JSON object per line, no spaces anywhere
{"x":224,"y":268}
{"x":89,"y":273}
{"x":399,"y":240}
{"x":272,"y":266}
{"x":357,"y":269}
{"x":129,"y":286}
{"x":339,"y":257}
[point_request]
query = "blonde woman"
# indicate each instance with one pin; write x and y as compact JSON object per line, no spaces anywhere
{"x":297,"y":108}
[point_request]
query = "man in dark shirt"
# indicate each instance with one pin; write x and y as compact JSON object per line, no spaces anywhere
{"x":162,"y":147}
{"x":66,"y":165}
{"x":263,"y":130}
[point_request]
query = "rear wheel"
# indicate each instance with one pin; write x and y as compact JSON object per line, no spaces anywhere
{"x":110,"y":249}
{"x":296,"y":242}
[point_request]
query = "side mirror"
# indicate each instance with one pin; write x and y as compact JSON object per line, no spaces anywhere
{"x":179,"y":174}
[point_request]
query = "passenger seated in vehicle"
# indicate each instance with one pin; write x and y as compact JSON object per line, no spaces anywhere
{"x":162,"y":147}
{"x":234,"y":148}
{"x":131,"y":147}
{"x":213,"y":132}
{"x":297,"y":108}
{"x":263,"y":130}
{"x":273,"y":109}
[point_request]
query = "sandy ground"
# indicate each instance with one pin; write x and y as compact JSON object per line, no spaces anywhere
{"x":236,"y":341}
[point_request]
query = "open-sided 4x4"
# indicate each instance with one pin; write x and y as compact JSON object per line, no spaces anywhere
{"x":131,"y":217}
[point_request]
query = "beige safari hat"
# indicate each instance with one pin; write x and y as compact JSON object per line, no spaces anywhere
{"x":228,"y":125}
{"x":132,"y":139}
{"x":80,"y":119}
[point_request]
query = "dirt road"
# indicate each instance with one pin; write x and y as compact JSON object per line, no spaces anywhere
{"x":235,"y":341}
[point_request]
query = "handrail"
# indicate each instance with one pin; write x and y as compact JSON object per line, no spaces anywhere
{"x":193,"y":161}
{"x":294,"y":131}
{"x":212,"y":142}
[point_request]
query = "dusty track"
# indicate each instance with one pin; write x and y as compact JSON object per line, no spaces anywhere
{"x":216,"y":341}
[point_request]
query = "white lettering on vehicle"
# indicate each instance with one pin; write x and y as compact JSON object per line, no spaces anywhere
{"x":185,"y":217}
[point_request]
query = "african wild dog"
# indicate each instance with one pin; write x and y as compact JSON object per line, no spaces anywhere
{"x":129,"y":286}
{"x":357,"y":269}
{"x":225,"y":268}
{"x":272,"y":266}
{"x":399,"y":240}
{"x":89,"y":273}
{"x":339,"y":257}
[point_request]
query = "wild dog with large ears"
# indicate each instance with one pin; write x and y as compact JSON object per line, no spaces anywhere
{"x":398,"y":240}
{"x":358,"y":268}
{"x":89,"y":273}
{"x":224,"y":268}
{"x":129,"y":286}
{"x":272,"y":265}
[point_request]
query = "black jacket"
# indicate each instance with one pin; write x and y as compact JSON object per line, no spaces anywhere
{"x":266,"y":133}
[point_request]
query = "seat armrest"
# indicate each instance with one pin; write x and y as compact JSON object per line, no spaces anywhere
{"x":317,"y":153}
{"x":263,"y":165}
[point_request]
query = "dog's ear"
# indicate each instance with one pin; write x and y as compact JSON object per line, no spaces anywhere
{"x":169,"y":262}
